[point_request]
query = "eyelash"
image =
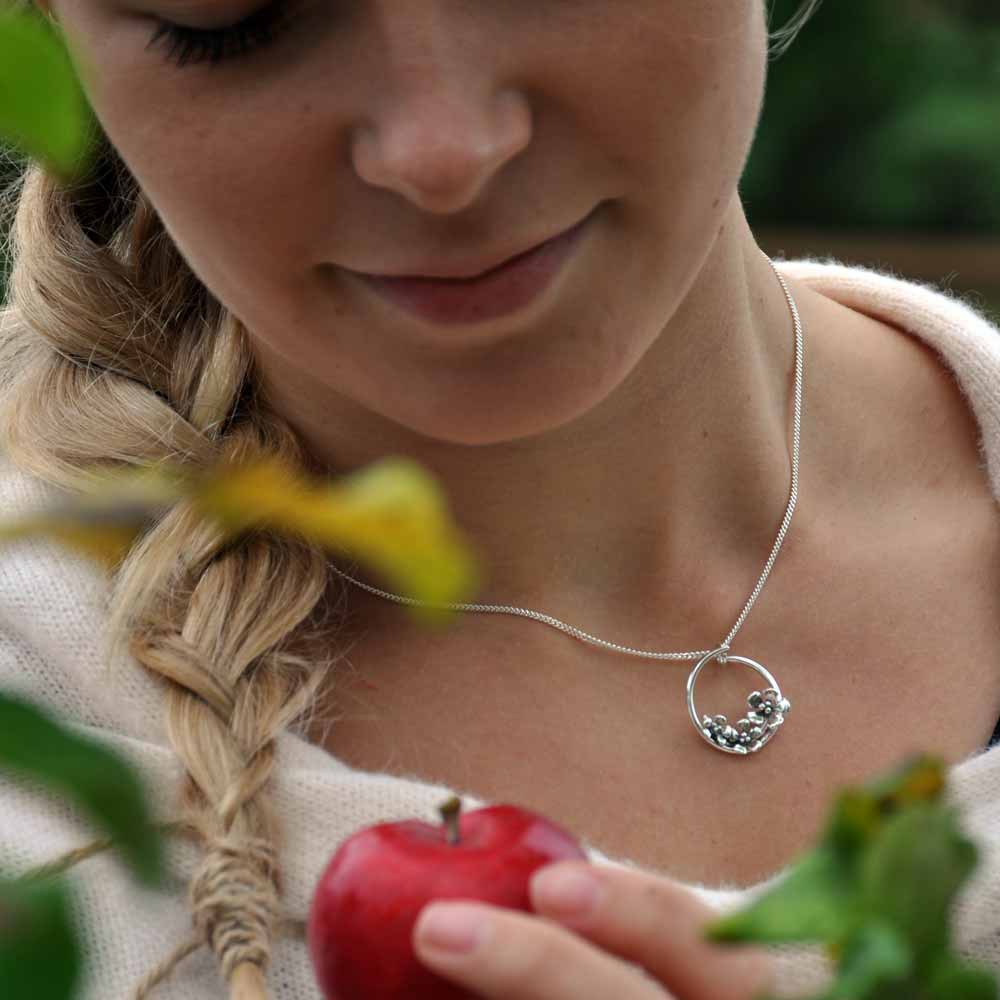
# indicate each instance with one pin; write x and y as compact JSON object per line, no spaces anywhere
{"x":195,"y":45}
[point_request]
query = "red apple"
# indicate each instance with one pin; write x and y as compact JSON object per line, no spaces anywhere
{"x":370,"y":894}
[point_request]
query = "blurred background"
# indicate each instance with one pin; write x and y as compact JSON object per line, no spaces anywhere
{"x":880,"y":142}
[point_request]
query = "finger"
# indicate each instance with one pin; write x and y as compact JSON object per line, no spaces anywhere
{"x":520,"y":956}
{"x":656,"y":923}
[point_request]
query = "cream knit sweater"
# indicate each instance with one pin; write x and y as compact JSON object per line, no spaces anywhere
{"x":50,"y":651}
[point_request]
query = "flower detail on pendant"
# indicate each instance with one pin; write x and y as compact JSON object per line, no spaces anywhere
{"x":766,"y":711}
{"x":768,"y":707}
{"x":747,"y":733}
{"x":742,"y":737}
{"x":751,"y":733}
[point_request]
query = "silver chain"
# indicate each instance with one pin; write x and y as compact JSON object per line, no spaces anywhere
{"x":646,"y":654}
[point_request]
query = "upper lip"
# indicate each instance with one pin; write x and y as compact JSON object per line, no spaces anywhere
{"x":463,"y":265}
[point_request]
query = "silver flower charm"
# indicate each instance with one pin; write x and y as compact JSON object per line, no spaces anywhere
{"x":748,"y":733}
{"x":768,"y":707}
{"x":751,"y":733}
{"x":741,"y":738}
{"x":765,"y":714}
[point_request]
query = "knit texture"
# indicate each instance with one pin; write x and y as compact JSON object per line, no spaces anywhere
{"x":51,"y":613}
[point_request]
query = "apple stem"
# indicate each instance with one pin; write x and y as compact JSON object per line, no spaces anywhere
{"x":449,"y":814}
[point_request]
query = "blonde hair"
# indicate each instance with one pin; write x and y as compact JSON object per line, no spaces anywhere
{"x":113,"y":353}
{"x":785,"y":37}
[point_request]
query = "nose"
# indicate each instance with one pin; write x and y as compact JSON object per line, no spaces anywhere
{"x":440,"y":146}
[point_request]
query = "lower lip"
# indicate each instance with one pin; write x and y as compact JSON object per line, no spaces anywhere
{"x":476,"y":300}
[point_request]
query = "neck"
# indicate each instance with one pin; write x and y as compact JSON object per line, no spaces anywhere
{"x":663,"y":500}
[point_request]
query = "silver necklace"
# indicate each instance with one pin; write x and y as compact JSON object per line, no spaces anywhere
{"x":767,"y":708}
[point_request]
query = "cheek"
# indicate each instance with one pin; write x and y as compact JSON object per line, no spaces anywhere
{"x":218,"y":165}
{"x":688,"y":94}
{"x":683,"y":127}
{"x":228,"y":189}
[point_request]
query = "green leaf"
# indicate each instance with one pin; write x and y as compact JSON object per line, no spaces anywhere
{"x":815,"y":901}
{"x":43,"y":111}
{"x":39,"y":955}
{"x":35,"y":745}
{"x":877,"y":890}
{"x":874,"y":959}
{"x":855,"y":820}
{"x":819,"y":899}
{"x":910,"y":875}
{"x":919,"y":778}
{"x":860,"y":813}
{"x":956,"y":979}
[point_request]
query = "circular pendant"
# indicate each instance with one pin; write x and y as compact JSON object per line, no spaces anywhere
{"x":767,"y":711}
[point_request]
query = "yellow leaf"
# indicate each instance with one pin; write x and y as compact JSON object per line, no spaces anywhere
{"x":104,"y":520}
{"x":107,"y":543}
{"x":240,"y":497}
{"x":391,"y":515}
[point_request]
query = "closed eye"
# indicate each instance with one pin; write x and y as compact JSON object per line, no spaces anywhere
{"x":187,"y":45}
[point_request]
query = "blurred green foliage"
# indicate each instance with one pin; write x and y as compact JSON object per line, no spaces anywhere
{"x":44,"y":110}
{"x":35,"y":745}
{"x":877,"y":889}
{"x":884,"y":114}
{"x":40,"y":953}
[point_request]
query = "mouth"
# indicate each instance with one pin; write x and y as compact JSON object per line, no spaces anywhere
{"x":468,"y":270}
{"x":499,"y":291}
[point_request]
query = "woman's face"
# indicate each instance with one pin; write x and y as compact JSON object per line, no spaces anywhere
{"x":381,"y":135}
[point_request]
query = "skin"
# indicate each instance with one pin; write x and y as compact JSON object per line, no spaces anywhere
{"x":392,"y":133}
{"x":641,"y":937}
{"x":652,"y":390}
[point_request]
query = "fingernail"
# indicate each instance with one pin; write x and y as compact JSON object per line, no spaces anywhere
{"x":568,"y":890}
{"x":452,"y":927}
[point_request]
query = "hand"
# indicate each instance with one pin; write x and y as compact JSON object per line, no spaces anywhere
{"x":640,"y":939}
